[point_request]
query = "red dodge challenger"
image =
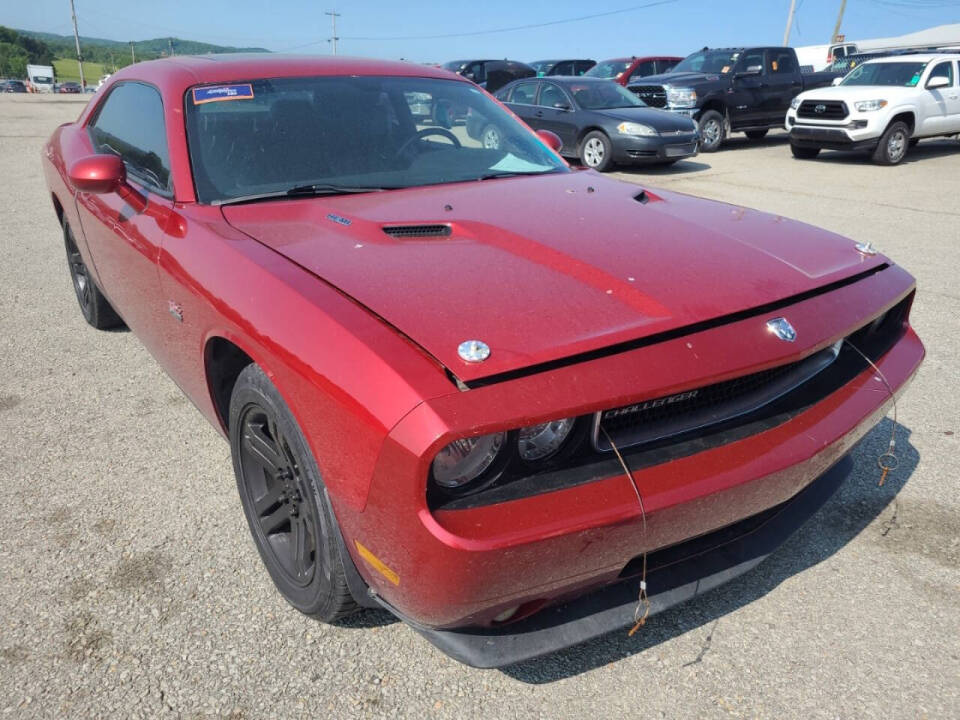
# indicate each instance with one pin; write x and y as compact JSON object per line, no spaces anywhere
{"x":515,"y":404}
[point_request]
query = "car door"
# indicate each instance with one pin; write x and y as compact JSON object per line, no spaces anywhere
{"x":783,"y":84}
{"x":523,"y":101}
{"x":556,"y":112}
{"x":745,"y":96}
{"x":953,"y":100}
{"x":123,"y":235}
{"x":936,"y":103}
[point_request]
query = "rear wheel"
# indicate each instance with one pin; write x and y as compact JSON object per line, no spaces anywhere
{"x":285,"y":501}
{"x":892,"y":147}
{"x":804,"y":153}
{"x":96,"y":310}
{"x":713,"y":131}
{"x":756,"y":134}
{"x":596,"y":151}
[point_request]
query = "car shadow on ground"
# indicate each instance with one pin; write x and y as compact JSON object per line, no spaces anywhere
{"x":925,"y":150}
{"x":739,"y":141}
{"x":856,"y":504}
{"x":683,"y":167}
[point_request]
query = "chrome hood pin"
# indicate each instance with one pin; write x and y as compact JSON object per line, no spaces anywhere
{"x":473,"y":351}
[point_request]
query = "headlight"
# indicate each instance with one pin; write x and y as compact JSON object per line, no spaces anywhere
{"x":681,"y":97}
{"x":538,"y":442}
{"x":466,"y":459}
{"x":868,"y":105}
{"x":795,"y":103}
{"x":632,"y":128}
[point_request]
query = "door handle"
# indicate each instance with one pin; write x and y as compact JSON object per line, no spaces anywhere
{"x":539,"y":113}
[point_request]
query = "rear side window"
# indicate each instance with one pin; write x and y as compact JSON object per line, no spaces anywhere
{"x":130,"y":124}
{"x":581,"y":66}
{"x":781,"y":62}
{"x":564,"y":68}
{"x":665,"y":66}
{"x":524,"y":93}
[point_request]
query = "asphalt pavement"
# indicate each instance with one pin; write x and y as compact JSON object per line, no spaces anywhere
{"x":129,"y":585}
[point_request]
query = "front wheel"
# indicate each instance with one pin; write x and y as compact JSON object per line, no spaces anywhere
{"x":892,"y":148}
{"x":713,"y":131}
{"x":96,"y":309}
{"x":804,"y":153}
{"x":596,"y":151}
{"x":285,"y":501}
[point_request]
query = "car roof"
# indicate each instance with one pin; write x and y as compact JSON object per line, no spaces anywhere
{"x":641,"y":58}
{"x":908,"y":57}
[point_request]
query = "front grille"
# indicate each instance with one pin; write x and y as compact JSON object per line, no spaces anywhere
{"x":823,"y":109}
{"x":652,"y":95}
{"x":672,"y":415}
{"x":412,"y":231}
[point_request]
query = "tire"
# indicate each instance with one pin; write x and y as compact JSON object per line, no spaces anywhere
{"x":756,"y":134}
{"x":285,"y":501}
{"x":596,"y":151}
{"x":892,"y":148}
{"x":713,"y":131}
{"x":96,"y":309}
{"x":804,"y":153}
{"x":491,"y":137}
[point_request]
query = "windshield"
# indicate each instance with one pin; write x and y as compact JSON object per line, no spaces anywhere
{"x":42,"y":79}
{"x":904,"y":74}
{"x":603,"y":96}
{"x":709,"y":61}
{"x":272,"y":135}
{"x":543,"y":66}
{"x":609,"y":69}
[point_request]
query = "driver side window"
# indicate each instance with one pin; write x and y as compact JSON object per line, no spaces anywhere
{"x":751,"y":59}
{"x":551,"y":96}
{"x":945,"y":70}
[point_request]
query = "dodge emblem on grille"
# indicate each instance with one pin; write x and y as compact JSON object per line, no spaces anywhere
{"x":821,"y":108}
{"x":782,"y":328}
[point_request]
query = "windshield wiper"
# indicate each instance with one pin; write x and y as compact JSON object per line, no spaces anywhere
{"x":314,"y":190}
{"x":514,"y":173}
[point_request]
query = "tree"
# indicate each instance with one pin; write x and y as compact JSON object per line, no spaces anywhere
{"x":13,"y":60}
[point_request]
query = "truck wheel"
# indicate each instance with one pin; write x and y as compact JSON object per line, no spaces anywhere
{"x":756,"y":134}
{"x":713,"y":131}
{"x":804,"y":153}
{"x":96,"y":309}
{"x":285,"y":501}
{"x":893,"y":144}
{"x":596,"y":151}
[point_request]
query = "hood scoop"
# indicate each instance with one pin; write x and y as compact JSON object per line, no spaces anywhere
{"x":417,"y":231}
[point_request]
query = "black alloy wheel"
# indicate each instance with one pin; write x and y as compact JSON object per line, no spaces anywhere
{"x":284,"y":500}
{"x":96,"y":310}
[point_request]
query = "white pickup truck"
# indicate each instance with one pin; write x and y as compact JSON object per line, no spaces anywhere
{"x":883,"y":106}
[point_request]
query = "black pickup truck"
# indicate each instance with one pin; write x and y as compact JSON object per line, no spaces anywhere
{"x":731,"y":90}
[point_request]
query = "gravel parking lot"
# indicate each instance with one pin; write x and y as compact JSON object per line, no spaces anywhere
{"x":129,"y":585}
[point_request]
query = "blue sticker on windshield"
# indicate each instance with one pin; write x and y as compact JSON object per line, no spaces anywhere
{"x":218,"y":93}
{"x":914,"y":80}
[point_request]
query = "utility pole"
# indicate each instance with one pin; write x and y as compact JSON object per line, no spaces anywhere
{"x":76,"y":38}
{"x":786,"y":33}
{"x":133,"y":55}
{"x":836,"y":28}
{"x":333,"y":19}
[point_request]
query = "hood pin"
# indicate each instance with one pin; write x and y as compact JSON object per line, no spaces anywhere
{"x":473,"y":351}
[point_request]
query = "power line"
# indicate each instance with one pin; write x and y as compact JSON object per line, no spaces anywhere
{"x":474,"y":33}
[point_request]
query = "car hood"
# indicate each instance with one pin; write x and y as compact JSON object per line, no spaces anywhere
{"x":677,"y":79}
{"x":855,"y":93}
{"x":661,"y":120}
{"x":542,"y":268}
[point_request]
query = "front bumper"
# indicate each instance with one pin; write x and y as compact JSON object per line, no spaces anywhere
{"x":461,"y":568}
{"x":630,"y":149}
{"x":859,"y":131}
{"x":674,"y":575}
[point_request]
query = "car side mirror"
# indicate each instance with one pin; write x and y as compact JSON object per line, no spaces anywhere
{"x":938,"y":82}
{"x":551,"y":139}
{"x":98,"y":174}
{"x":561,"y":106}
{"x":101,"y":174}
{"x":837,"y":81}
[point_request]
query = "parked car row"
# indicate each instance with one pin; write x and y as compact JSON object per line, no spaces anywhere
{"x":719,"y":91}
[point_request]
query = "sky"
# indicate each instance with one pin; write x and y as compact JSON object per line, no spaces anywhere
{"x":439,"y":31}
